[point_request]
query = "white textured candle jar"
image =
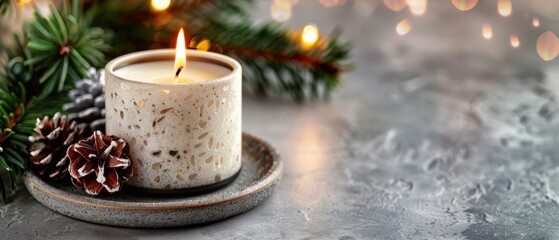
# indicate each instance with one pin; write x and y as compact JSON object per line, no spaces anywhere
{"x":183,"y":137}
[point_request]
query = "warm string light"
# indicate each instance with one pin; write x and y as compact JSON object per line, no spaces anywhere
{"x":309,"y":36}
{"x":204,"y":45}
{"x":23,"y":2}
{"x":536,"y":22}
{"x":403,"y":27}
{"x":547,"y":46}
{"x":417,"y":7}
{"x":464,"y":5}
{"x":487,"y":31}
{"x":514,"y":41}
{"x":160,"y":5}
{"x":504,"y":7}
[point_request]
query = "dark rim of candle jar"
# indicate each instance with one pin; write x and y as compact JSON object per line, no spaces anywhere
{"x":169,"y":54}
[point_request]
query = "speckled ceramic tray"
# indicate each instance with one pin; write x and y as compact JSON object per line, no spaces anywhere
{"x":260,"y":174}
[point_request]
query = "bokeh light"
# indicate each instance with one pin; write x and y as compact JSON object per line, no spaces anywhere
{"x":417,"y":7}
{"x":536,"y":22}
{"x":204,"y":45}
{"x":395,"y":5}
{"x":464,"y":5}
{"x":504,"y":7}
{"x":310,"y":35}
{"x":403,"y":27}
{"x":547,"y":46}
{"x":23,"y":2}
{"x":281,"y":10}
{"x":514,"y":41}
{"x":160,"y":5}
{"x":331,"y":3}
{"x":487,"y":31}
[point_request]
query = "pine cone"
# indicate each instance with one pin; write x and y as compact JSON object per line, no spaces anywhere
{"x":98,"y":162}
{"x":48,"y":155}
{"x":88,"y":102}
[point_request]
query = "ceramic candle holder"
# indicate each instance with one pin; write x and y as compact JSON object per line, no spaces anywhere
{"x":183,"y":137}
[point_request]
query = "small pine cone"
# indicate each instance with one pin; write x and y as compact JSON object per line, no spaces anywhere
{"x":88,"y":102}
{"x":98,"y":162}
{"x":48,"y":153}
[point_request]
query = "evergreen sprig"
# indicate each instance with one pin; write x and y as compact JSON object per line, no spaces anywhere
{"x":42,"y":64}
{"x":62,"y":47}
{"x":274,"y":62}
{"x":13,"y":136}
{"x":19,"y":113}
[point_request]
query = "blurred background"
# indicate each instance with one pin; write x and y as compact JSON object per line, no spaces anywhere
{"x":441,"y":123}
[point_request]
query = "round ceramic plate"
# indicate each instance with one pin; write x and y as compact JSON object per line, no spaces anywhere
{"x":260,"y":173}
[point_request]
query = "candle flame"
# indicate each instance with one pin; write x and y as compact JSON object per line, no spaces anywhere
{"x":310,"y":34}
{"x":180,"y":56}
{"x":160,"y":5}
{"x":536,"y":22}
{"x":395,"y":5}
{"x":487,"y":31}
{"x":403,"y":27}
{"x":464,"y":5}
{"x":417,"y":7}
{"x":504,"y":7}
{"x":514,"y":41}
{"x":547,"y":46}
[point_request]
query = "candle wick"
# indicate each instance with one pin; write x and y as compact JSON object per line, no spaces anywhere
{"x":178,"y":72}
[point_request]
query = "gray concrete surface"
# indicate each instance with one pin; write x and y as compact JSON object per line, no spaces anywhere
{"x":438,"y":134}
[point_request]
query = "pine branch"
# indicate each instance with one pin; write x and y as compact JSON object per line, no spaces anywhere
{"x":274,"y":62}
{"x":42,"y":66}
{"x":63,"y":47}
{"x":278,"y":62}
{"x":13,"y":140}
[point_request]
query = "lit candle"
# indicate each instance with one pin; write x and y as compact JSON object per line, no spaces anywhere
{"x":181,"y":118}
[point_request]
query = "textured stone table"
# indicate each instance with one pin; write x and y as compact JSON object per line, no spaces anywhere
{"x":438,"y":134}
